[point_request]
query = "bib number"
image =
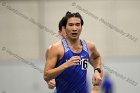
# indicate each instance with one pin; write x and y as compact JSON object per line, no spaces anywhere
{"x":84,"y":64}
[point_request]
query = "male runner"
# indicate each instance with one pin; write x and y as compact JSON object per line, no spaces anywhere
{"x":67,"y":60}
{"x":62,"y":33}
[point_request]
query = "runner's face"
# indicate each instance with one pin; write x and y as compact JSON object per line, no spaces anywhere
{"x":62,"y":32}
{"x":73,"y":27}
